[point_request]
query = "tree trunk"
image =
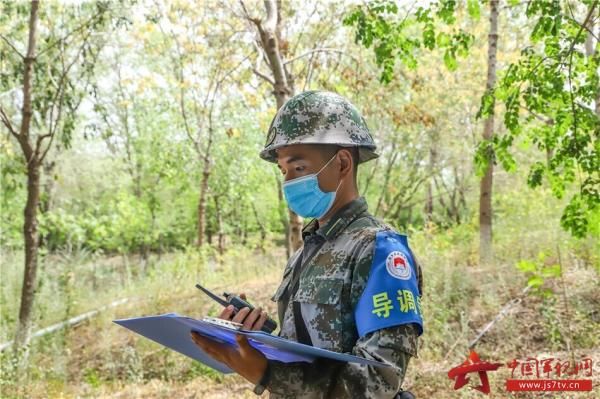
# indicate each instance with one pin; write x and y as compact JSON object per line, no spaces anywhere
{"x":285,"y":220}
{"x":386,"y":179}
{"x":30,"y":232}
{"x":47,"y":196}
{"x":202,"y":202}
{"x":205,"y":177}
{"x":282,"y":93}
{"x":261,"y":227}
{"x":270,"y":36}
{"x":456,"y":196}
{"x":486,"y":184}
{"x":431,"y":167}
{"x":220,"y":233}
{"x":31,"y":236}
{"x":591,"y":49}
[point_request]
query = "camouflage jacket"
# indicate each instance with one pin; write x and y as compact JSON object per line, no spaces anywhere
{"x":329,"y":289}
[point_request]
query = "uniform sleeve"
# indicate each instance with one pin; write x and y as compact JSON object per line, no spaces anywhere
{"x":393,"y":344}
{"x":331,"y":379}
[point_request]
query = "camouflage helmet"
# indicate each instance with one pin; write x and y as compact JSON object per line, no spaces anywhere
{"x":319,"y":117}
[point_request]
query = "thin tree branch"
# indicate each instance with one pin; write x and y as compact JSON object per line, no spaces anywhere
{"x":570,"y":52}
{"x":6,"y":121}
{"x":590,"y":31}
{"x":64,"y":38}
{"x":320,"y":50}
{"x":11,"y":46}
{"x":58,"y":100}
{"x":263,"y":76}
{"x":254,"y":20}
{"x":582,"y":27}
{"x":256,"y":68}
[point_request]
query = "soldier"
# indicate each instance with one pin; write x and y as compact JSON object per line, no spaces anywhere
{"x":354,"y":286}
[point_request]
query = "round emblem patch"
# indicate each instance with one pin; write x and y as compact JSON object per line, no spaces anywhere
{"x":397,"y":265}
{"x":270,"y":137}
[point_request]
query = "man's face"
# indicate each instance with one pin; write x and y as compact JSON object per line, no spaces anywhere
{"x":303,"y":159}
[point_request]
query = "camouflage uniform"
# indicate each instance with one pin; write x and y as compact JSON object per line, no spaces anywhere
{"x":335,"y":265}
{"x":330,"y":287}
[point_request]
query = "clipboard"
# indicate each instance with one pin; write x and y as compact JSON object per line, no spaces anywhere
{"x":173,"y":331}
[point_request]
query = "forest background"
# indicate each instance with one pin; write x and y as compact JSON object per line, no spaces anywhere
{"x":129,"y":163}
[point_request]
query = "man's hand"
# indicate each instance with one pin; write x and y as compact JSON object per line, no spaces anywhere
{"x":252,"y":320}
{"x":244,"y":360}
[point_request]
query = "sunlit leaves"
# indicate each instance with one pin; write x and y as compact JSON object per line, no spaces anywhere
{"x":473,"y":9}
{"x":379,"y":25}
{"x":575,"y":218}
{"x":538,"y":271}
{"x":546,"y":95}
{"x":552,"y":86}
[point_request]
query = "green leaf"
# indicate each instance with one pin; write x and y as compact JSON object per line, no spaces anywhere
{"x":547,"y":293}
{"x":429,"y":36}
{"x":443,"y":39}
{"x":551,"y":271}
{"x":473,"y":9}
{"x":488,"y":101}
{"x":535,"y":281}
{"x":446,"y":11}
{"x":526,"y":266}
{"x":450,"y":60}
{"x":536,"y":173}
{"x":574,"y":218}
{"x":484,"y":155}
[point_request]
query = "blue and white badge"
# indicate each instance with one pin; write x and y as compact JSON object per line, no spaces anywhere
{"x":391,"y":296}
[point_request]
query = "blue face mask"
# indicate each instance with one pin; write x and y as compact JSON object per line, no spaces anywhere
{"x":305,"y":198}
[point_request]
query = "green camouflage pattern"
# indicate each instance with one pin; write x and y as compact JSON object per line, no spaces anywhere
{"x":330,"y":287}
{"x":319,"y":117}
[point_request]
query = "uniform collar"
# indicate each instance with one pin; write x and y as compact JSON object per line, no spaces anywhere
{"x":338,"y":222}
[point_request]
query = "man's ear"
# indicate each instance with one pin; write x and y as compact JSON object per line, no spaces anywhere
{"x":345,"y":162}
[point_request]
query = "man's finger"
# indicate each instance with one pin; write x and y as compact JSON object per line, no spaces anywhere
{"x":258,"y":325}
{"x":243,"y":296}
{"x":227,"y":313}
{"x":251,"y":318}
{"x":241,"y":315}
{"x":203,"y":343}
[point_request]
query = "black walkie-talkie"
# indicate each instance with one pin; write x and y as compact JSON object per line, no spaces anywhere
{"x":238,"y":303}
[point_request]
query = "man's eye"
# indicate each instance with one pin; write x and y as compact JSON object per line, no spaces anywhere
{"x":299,"y":168}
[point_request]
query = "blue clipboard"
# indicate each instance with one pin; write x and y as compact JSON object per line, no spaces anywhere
{"x":173,"y":331}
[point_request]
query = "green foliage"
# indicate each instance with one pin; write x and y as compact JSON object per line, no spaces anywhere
{"x":546,"y":94}
{"x":552,"y":81}
{"x":379,"y":25}
{"x":12,"y":171}
{"x":92,"y":377}
{"x":551,"y":322}
{"x":64,"y":63}
{"x":537,"y":272}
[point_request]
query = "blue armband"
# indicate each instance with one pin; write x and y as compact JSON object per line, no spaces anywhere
{"x":391,"y":296}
